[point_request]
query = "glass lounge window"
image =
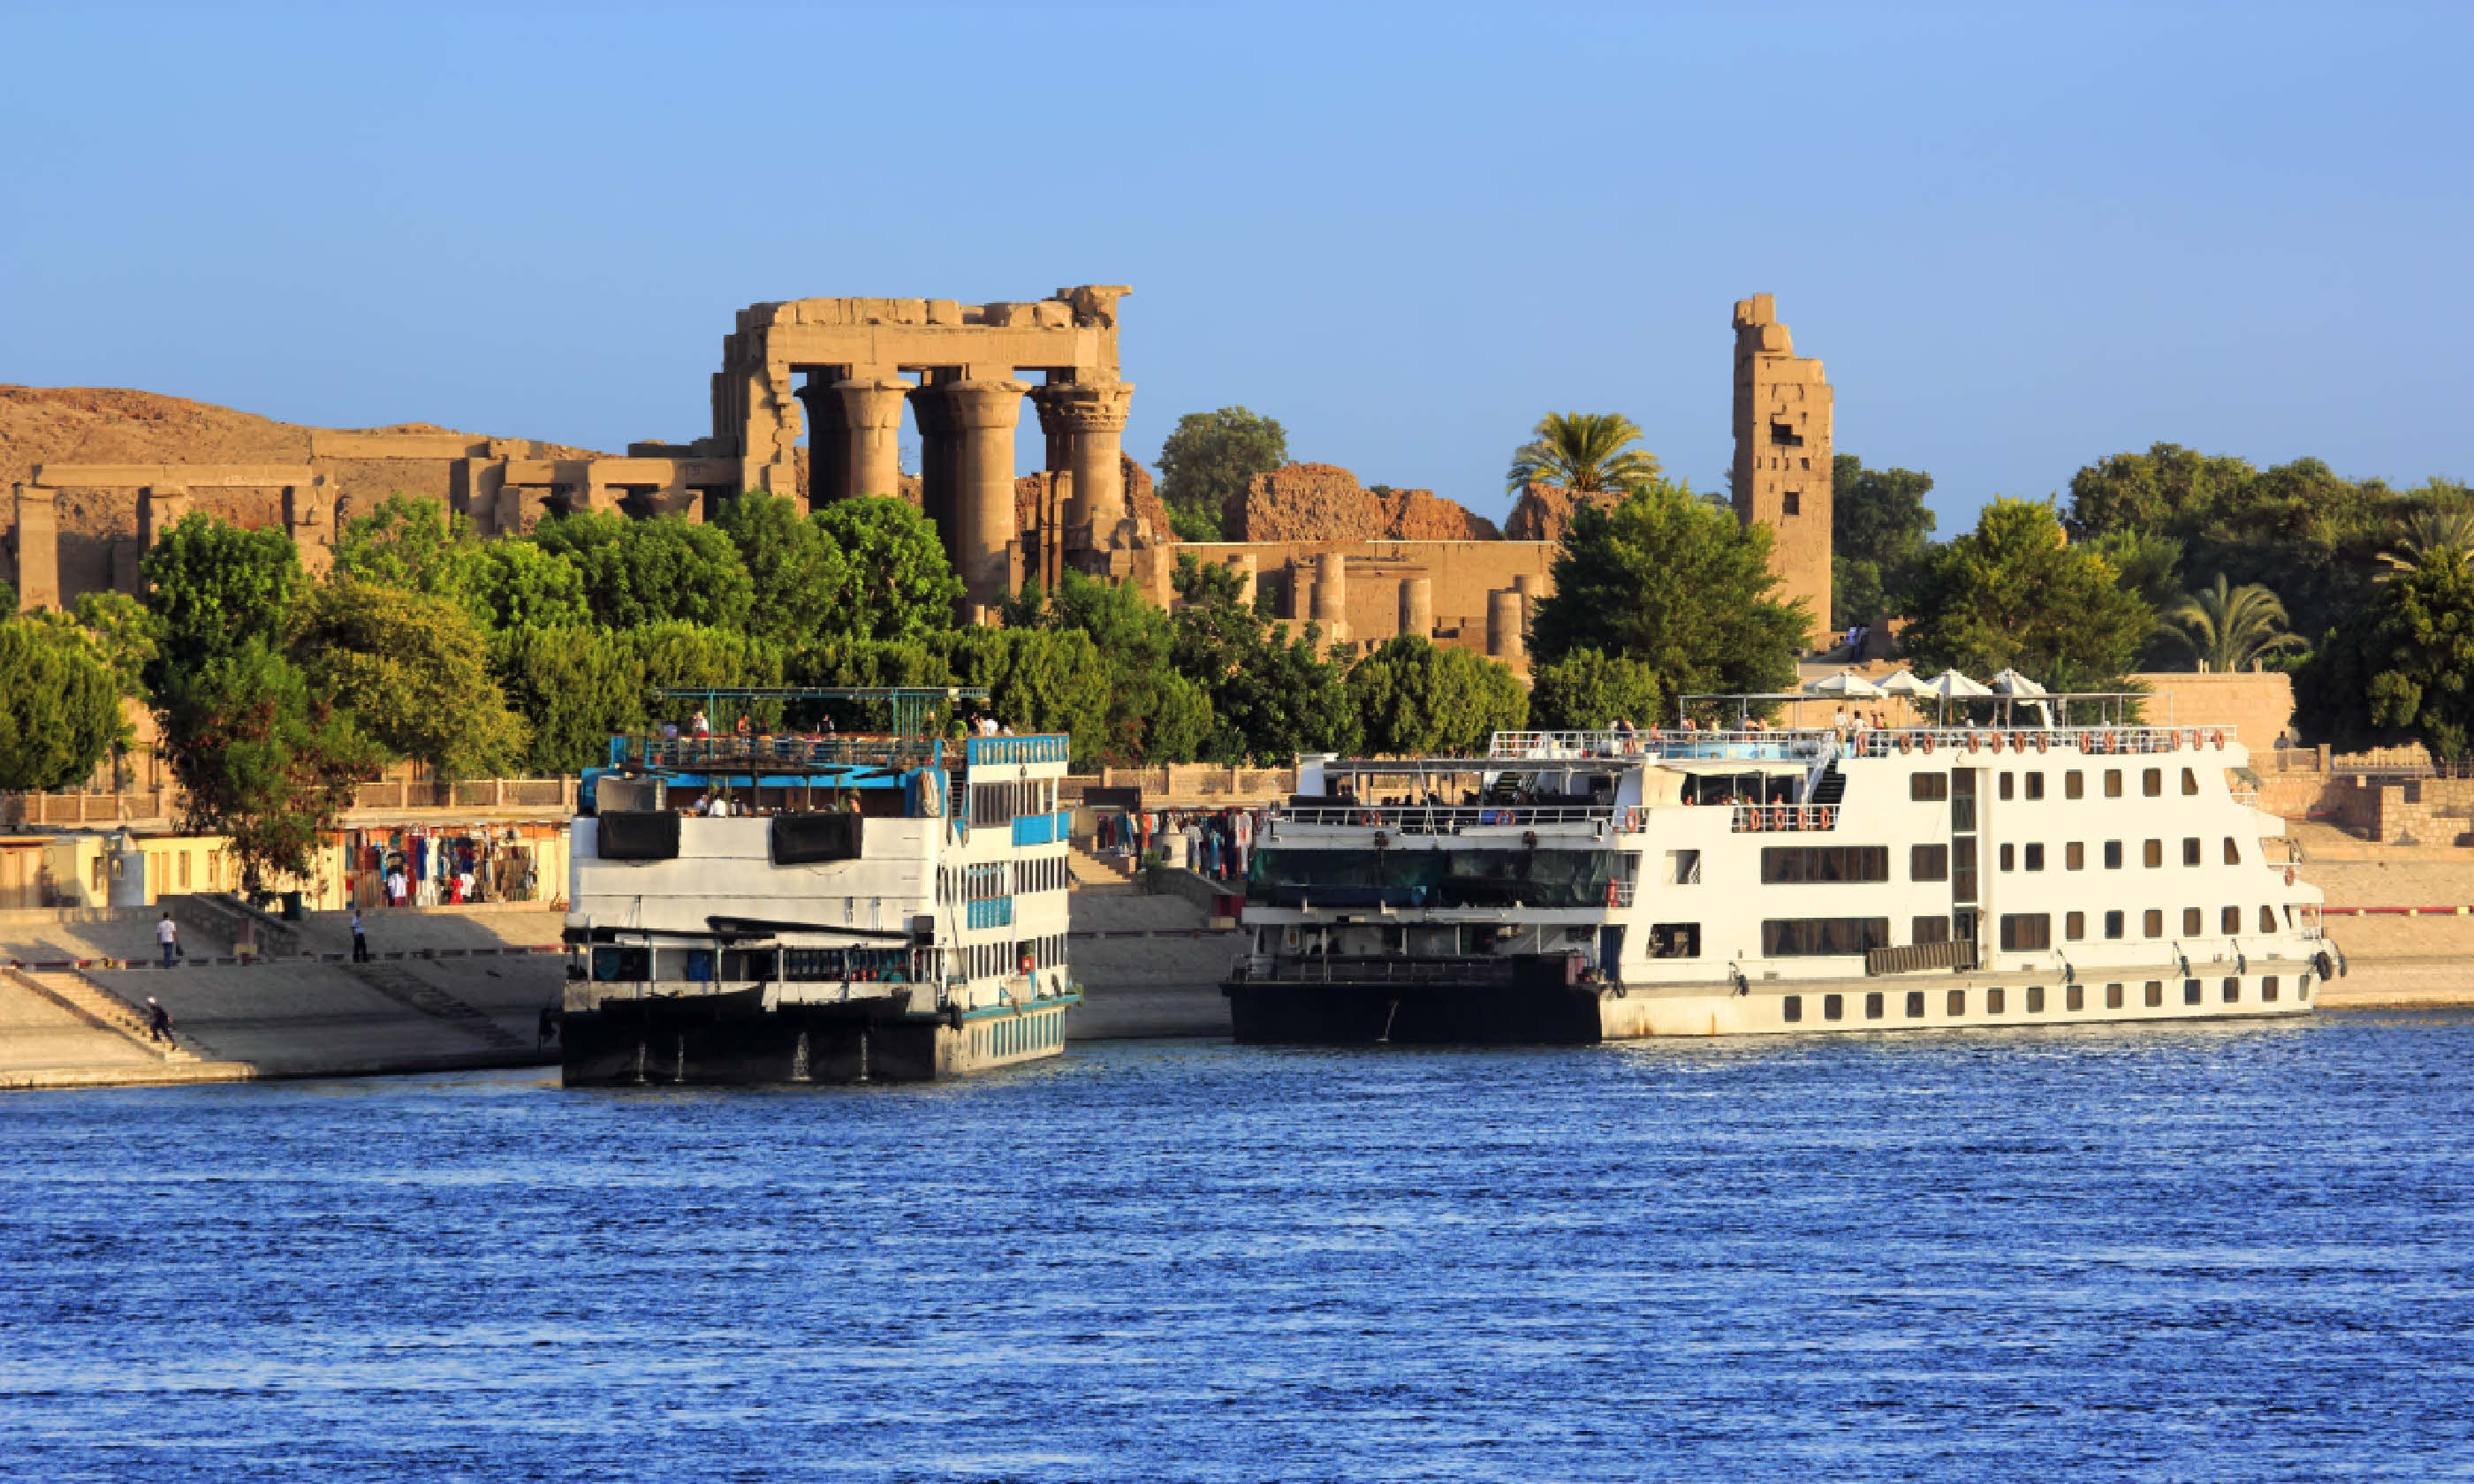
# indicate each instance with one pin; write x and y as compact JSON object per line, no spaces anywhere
{"x":1928,"y":863}
{"x":1927,"y":787}
{"x":1930,"y":930}
{"x":2026,"y":931}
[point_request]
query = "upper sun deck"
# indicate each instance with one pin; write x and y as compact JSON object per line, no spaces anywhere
{"x":1816,"y":745}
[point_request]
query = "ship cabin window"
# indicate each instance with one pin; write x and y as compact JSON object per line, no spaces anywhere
{"x":1993,"y":1002}
{"x":1683,"y":868}
{"x":1823,"y":863}
{"x":2233,"y":852}
{"x":1957,"y":1006}
{"x":2113,"y":783}
{"x":1915,"y":1004}
{"x":1792,"y":1007}
{"x":2073,"y":927}
{"x":2075,"y":857}
{"x":2073,"y":785}
{"x":2152,"y":854}
{"x":2075,"y":997}
{"x":2152,"y":923}
{"x":2233,"y":990}
{"x":2035,"y":999}
{"x":2112,"y":997}
{"x":2026,"y":931}
{"x":1834,"y":1007}
{"x":2268,"y":987}
{"x":2113,"y":925}
{"x":1675,"y":940}
{"x":2268,"y":919}
{"x":2113,"y":855}
{"x":1928,"y":930}
{"x":2153,"y":993}
{"x":2191,"y":850}
{"x":1927,"y":787}
{"x":1873,"y":1005}
{"x":615,"y":963}
{"x":1928,"y":863}
{"x":1822,"y":937}
{"x":2034,"y":783}
{"x":2152,"y":784}
{"x":2190,"y":992}
{"x":1962,"y":800}
{"x":2191,"y":926}
{"x":2010,"y":786}
{"x":2007,"y":860}
{"x":1962,"y":869}
{"x":2230,"y":922}
{"x":2190,"y":781}
{"x":2035,"y":858}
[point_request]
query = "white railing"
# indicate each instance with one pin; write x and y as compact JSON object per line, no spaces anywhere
{"x":1762,"y":818}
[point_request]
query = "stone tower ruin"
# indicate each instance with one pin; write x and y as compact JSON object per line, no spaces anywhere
{"x":1782,"y":443}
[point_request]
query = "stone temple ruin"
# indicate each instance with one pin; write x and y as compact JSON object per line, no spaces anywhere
{"x":840,"y":372}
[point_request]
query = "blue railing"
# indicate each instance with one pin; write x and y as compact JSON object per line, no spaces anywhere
{"x":1034,"y":828}
{"x":991,"y":751}
{"x":989,"y":914}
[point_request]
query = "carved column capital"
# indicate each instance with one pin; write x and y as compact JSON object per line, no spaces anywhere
{"x":985,"y":405}
{"x":1084,"y":407}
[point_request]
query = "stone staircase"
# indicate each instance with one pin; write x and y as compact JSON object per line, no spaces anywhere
{"x":102,"y":1010}
{"x":1090,"y":869}
{"x":409,"y":990}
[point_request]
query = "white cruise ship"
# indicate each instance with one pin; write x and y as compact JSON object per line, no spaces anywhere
{"x":1597,"y":886}
{"x":873,"y":907}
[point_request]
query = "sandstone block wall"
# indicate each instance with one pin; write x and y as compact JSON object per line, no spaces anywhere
{"x":1543,"y":513}
{"x":2255,"y":705}
{"x":1460,"y":577}
{"x":1324,"y":502}
{"x":1784,"y":432}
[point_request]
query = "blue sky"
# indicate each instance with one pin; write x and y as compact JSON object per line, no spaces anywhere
{"x":2019,"y":239}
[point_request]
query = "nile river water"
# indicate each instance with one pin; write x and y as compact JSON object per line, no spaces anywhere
{"x":2210,"y":1254}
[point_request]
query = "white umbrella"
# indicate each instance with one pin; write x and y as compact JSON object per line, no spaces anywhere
{"x":2010,"y":683}
{"x":1949,"y":682}
{"x":1846,"y":682}
{"x":1904,"y":683}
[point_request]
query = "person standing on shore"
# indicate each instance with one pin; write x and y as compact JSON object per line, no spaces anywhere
{"x":361,"y":942}
{"x":167,"y":933}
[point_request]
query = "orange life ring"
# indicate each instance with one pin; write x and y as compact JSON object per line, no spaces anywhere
{"x":1754,"y":823}
{"x":1926,"y":742}
{"x":1904,"y":742}
{"x":2220,"y":741}
{"x":1974,"y":742}
{"x":2190,"y":739}
{"x":2040,"y":742}
{"x":1779,"y":817}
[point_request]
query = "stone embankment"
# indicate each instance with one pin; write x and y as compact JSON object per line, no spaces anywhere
{"x":2405,"y":925}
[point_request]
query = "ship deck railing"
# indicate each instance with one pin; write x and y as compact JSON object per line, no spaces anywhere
{"x":1817,"y":744}
{"x":774,"y":755}
{"x":1767,"y":818}
{"x":1322,"y":969}
{"x":1429,"y":819}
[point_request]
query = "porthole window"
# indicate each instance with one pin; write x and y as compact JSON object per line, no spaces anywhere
{"x":2113,"y":855}
{"x":2036,"y":857}
{"x":2152,"y":854}
{"x":2035,"y":784}
{"x":2008,"y":786}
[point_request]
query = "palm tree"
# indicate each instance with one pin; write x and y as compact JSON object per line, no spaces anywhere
{"x":2427,"y":531}
{"x":1582,"y":450}
{"x":2226,"y":628}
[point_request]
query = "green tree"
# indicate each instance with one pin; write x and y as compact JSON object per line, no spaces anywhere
{"x":1581,"y":450}
{"x":60,"y":706}
{"x":2419,"y":644}
{"x":126,"y":636}
{"x":1038,"y":680}
{"x":217,"y":587}
{"x":258,"y":760}
{"x":412,"y":670}
{"x":1210,"y":457}
{"x":1587,"y":692}
{"x":2014,"y":594}
{"x":2426,"y":530}
{"x":1879,"y":528}
{"x":901,"y":585}
{"x":410,"y":542}
{"x":1155,"y":713}
{"x":1677,"y":584}
{"x":517,"y":584}
{"x":640,"y":572}
{"x":575,"y":686}
{"x":2226,"y":628}
{"x":1273,"y":692}
{"x":679,"y":656}
{"x":801,"y":578}
{"x":1416,"y":698}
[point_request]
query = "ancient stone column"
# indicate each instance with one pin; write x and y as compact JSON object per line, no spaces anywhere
{"x":160,"y":508}
{"x":1418,"y":606}
{"x":1088,"y":419}
{"x":1530,"y":589}
{"x":858,"y":449}
{"x":1503,"y":625}
{"x":940,"y":457}
{"x":38,"y":547}
{"x":985,"y":413}
{"x":1330,"y":605}
{"x":1245,"y":566}
{"x":308,"y":510}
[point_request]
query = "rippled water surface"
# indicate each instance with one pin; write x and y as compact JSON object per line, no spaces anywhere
{"x":2220,"y":1253}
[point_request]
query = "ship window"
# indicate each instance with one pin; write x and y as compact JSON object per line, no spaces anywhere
{"x":613,"y":963}
{"x":2008,"y":786}
{"x":2073,"y":926}
{"x":1962,"y":800}
{"x":2268,"y":919}
{"x":2190,"y":781}
{"x":2190,"y":992}
{"x":2191,"y":926}
{"x":1930,"y":930}
{"x":2233,"y":852}
{"x":1915,"y":1004}
{"x":1994,"y":1000}
{"x":2035,"y":784}
{"x":2075,"y":857}
{"x":2154,"y":993}
{"x":2230,"y":922}
{"x":1823,"y":863}
{"x":2073,"y":785}
{"x":2112,"y":997}
{"x":1683,"y":868}
{"x":1927,"y":787}
{"x":1675,"y":940}
{"x":2233,"y":990}
{"x":2152,"y":853}
{"x":2006,"y":858}
{"x":2191,"y":850}
{"x":1962,"y":869}
{"x":1814,"y":937}
{"x":2268,"y":987}
{"x":2152,"y":923}
{"x":1792,"y":1007}
{"x":1834,"y":1007}
{"x":2302,"y":987}
{"x":1957,"y":1006}
{"x":2152,"y":782}
{"x":2113,"y":925}
{"x":2027,"y":930}
{"x":1873,"y":1005}
{"x":2075,"y":997}
{"x":2113,"y":783}
{"x":2113,"y":855}
{"x":2035,"y":999}
{"x":1928,"y":863}
{"x":2035,"y":858}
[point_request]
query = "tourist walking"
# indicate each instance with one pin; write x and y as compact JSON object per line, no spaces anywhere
{"x":360,"y":939}
{"x":159,"y":1020}
{"x":167,"y":933}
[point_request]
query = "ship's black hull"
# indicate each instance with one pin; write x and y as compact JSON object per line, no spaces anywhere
{"x":731,"y":1040}
{"x":1534,"y":1006}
